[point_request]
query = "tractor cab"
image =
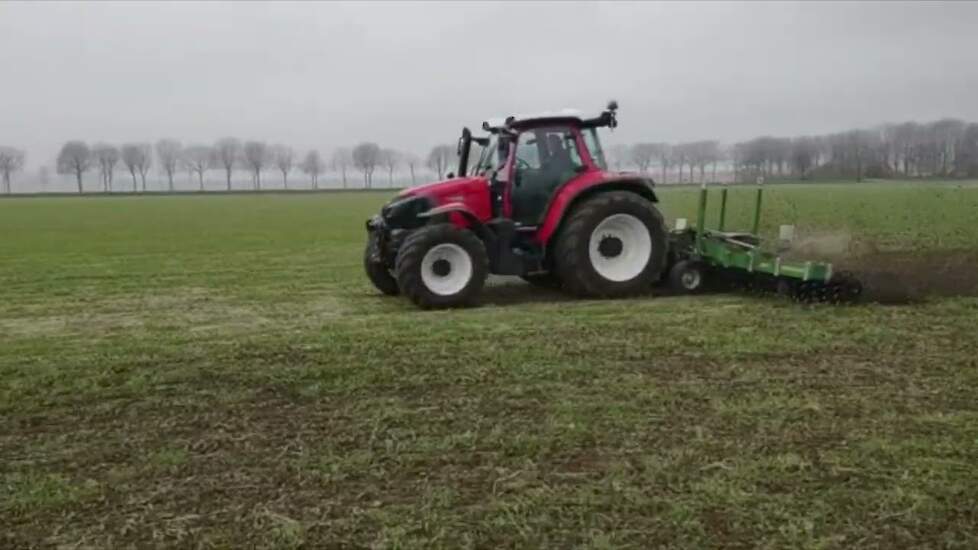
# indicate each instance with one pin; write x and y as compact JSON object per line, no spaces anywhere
{"x":531,"y":198}
{"x":525,"y":160}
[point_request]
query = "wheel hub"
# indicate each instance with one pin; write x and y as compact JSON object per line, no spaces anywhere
{"x":620,"y":247}
{"x":610,"y":246}
{"x":446,"y":269}
{"x":441,"y":267}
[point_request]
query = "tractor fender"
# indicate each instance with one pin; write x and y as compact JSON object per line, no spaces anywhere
{"x":457,"y":212}
{"x":570,"y":196}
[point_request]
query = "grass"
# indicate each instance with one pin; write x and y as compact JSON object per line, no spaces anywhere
{"x":217,"y":372}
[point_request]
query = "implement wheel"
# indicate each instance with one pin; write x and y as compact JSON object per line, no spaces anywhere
{"x":688,"y":277}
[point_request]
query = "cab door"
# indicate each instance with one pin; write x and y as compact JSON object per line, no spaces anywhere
{"x":545,"y":159}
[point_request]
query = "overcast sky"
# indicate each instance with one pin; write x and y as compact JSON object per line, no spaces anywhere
{"x":408,"y":75}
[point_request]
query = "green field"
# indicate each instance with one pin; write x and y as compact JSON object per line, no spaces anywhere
{"x":217,"y":372}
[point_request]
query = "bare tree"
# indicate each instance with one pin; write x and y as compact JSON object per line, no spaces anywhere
{"x":132,"y":159}
{"x":904,"y":138}
{"x":168,"y":152}
{"x":107,"y":156}
{"x":707,"y":153}
{"x":75,"y":158}
{"x":145,"y":163}
{"x":891,"y":148}
{"x":966,"y":152}
{"x":227,"y":152}
{"x":803,"y":153}
{"x":681,"y":156}
{"x":391,"y":160}
{"x":641,"y":155}
{"x":411,"y":160}
{"x":256,"y":157}
{"x":197,"y":159}
{"x":781,"y":153}
{"x":312,"y":166}
{"x":439,"y":159}
{"x":366,"y":157}
{"x":856,"y":143}
{"x":716,"y":153}
{"x":342,"y":159}
{"x":757,"y":156}
{"x":284,"y":158}
{"x":947,"y":132}
{"x":11,"y":160}
{"x":664,"y":153}
{"x":619,"y":156}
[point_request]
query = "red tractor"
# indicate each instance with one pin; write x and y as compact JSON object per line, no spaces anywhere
{"x":540,"y":203}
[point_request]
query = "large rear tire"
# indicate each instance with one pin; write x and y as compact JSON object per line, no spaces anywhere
{"x":611,"y":245}
{"x":377,"y":272}
{"x":442,"y":266}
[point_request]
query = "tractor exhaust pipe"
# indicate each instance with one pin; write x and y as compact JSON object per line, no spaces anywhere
{"x":464,"y":147}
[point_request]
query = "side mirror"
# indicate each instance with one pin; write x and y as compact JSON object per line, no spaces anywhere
{"x":450,"y":175}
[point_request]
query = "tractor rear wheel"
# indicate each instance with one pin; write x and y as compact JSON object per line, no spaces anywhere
{"x":442,"y":266}
{"x":611,"y":245}
{"x":377,"y":272}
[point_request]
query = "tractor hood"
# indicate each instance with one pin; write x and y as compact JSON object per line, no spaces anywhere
{"x":446,"y":188}
{"x":471,"y":192}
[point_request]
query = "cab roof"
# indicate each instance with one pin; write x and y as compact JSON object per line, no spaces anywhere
{"x":571,"y":117}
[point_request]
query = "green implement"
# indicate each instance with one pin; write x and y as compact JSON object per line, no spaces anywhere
{"x":700,"y":256}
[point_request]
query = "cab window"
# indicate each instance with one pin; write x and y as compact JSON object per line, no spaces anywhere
{"x":594,"y":147}
{"x":546,"y":158}
{"x":490,"y":158}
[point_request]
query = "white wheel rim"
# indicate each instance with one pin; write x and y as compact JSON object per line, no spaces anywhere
{"x":635,"y":250}
{"x":691,"y":279}
{"x":459,"y":265}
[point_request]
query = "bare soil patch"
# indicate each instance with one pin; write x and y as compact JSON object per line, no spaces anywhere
{"x":894,"y":276}
{"x":905,"y":277}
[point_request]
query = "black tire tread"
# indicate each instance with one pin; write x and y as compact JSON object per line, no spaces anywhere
{"x":377,"y":272}
{"x":407,"y":268}
{"x":573,"y":266}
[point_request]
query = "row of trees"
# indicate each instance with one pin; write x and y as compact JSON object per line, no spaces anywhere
{"x":228,"y":154}
{"x":77,"y":158}
{"x":945,"y":148}
{"x":696,"y":154}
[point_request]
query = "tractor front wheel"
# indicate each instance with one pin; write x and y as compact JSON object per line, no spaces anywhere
{"x":611,"y":245}
{"x":377,"y":272}
{"x":442,"y":266}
